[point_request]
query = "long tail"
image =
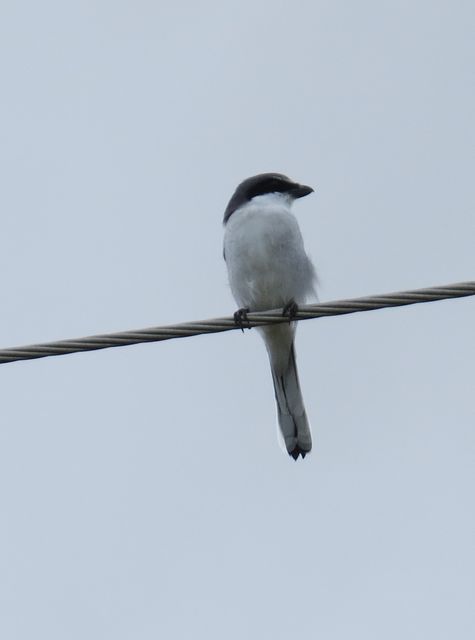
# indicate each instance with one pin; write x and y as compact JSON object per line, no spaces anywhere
{"x":293,"y":422}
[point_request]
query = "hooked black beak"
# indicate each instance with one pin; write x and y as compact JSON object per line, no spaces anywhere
{"x":301,"y":190}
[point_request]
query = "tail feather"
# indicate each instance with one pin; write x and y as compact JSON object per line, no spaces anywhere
{"x":293,"y":422}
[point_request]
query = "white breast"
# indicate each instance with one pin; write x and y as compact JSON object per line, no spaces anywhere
{"x":265,"y":255}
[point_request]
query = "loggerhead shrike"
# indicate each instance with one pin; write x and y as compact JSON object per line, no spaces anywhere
{"x":269,"y":269}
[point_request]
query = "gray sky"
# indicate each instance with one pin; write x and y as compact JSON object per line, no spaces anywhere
{"x":142,"y":490}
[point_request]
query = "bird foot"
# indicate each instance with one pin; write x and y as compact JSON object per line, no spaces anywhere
{"x":290,"y":310}
{"x":240,"y":317}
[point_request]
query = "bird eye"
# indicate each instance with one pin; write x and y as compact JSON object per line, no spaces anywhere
{"x":276,"y":183}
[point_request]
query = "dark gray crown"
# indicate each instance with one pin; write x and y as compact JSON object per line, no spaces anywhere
{"x":260,"y":185}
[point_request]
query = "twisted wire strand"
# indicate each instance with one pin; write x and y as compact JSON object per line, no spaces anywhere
{"x":217,"y":325}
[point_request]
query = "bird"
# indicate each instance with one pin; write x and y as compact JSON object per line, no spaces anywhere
{"x":268,"y":268}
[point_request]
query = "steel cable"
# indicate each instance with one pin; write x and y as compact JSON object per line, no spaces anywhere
{"x":187,"y":329}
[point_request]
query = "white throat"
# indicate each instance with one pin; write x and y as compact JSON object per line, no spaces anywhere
{"x":272,"y":200}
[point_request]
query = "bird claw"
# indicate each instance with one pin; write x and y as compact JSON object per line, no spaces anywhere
{"x":240,"y":317}
{"x":290,"y":310}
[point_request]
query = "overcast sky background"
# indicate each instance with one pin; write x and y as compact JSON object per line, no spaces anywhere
{"x":142,"y":490}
